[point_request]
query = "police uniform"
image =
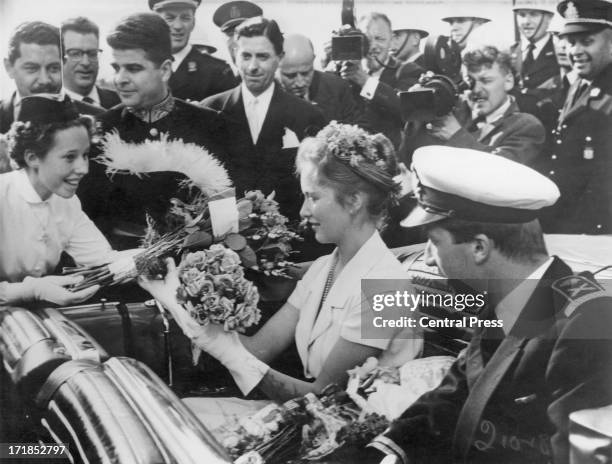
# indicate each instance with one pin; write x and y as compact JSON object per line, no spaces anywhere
{"x":201,"y":75}
{"x":580,"y":160}
{"x":118,"y":205}
{"x":507,"y":397}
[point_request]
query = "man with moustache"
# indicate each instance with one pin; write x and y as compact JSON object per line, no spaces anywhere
{"x":80,"y":47}
{"x":580,"y":163}
{"x":331,"y":94}
{"x":141,"y":59}
{"x":264,"y":123}
{"x":33,"y":62}
{"x":378,"y":78}
{"x":195,"y":73}
{"x":497,"y":126}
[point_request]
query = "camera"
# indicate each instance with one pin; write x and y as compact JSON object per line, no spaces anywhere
{"x":349,"y":44}
{"x":436,"y":96}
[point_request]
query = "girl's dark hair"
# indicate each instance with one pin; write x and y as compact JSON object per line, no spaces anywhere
{"x":350,"y":160}
{"x":38,"y":138}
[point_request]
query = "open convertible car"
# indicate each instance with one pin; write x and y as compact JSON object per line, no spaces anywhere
{"x":105,"y":379}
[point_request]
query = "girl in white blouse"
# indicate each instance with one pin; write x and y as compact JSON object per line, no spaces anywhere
{"x":346,"y":177}
{"x":40,"y":215}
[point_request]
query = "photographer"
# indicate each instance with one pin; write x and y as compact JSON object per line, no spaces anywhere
{"x":495,"y":126}
{"x":377,"y":78}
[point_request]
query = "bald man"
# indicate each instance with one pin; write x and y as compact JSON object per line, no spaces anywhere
{"x":331,"y":94}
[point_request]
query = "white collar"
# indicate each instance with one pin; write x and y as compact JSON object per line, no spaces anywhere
{"x":93,"y":94}
{"x":538,"y":46}
{"x":499,"y":112}
{"x":509,"y":308}
{"x":180,"y":56}
{"x":414,"y":57}
{"x":24,"y":187}
{"x":264,"y":98}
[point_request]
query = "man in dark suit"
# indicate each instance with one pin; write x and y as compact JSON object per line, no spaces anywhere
{"x":379,"y":77}
{"x":142,"y":62}
{"x":264,"y":123}
{"x":497,"y":126}
{"x":33,"y":62}
{"x":580,"y":162}
{"x":80,"y":47}
{"x":195,"y":74}
{"x":331,"y":94}
{"x":541,"y":348}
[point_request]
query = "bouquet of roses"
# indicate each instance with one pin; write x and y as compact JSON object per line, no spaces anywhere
{"x":213,"y":289}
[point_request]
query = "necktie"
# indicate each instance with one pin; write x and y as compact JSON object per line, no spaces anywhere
{"x":582,"y":86}
{"x":478,"y":120}
{"x":254,"y":119}
{"x":88,"y":100}
{"x":529,"y":58}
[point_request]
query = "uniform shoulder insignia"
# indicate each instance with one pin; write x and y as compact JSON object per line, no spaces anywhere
{"x":205,"y":49}
{"x":577,"y":289}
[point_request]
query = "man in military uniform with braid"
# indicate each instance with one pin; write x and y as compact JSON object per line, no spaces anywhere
{"x":195,"y":73}
{"x":542,"y":346}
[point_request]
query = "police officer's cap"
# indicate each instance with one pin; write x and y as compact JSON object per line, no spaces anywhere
{"x":475,"y":186}
{"x":230,"y":14}
{"x":585,"y":15}
{"x":157,"y":5}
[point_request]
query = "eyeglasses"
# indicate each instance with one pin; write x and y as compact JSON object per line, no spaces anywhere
{"x":76,"y":54}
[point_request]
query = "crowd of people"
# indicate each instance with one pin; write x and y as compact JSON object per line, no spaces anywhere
{"x":524,"y":150}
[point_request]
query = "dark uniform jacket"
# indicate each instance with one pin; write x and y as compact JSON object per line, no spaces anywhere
{"x":511,"y":404}
{"x":108,"y":98}
{"x":333,"y":96}
{"x":266,"y":165}
{"x":201,"y":75}
{"x":382,"y":112}
{"x":7,"y":112}
{"x":516,"y":136}
{"x":581,"y":161}
{"x":118,"y":205}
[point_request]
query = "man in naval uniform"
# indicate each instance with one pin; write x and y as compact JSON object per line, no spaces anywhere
{"x":542,"y":345}
{"x":195,"y":73}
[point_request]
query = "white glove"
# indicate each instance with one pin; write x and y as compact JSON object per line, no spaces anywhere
{"x":226,"y":347}
{"x":49,"y":288}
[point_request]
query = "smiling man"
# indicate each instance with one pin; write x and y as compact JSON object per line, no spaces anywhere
{"x":580,"y":162}
{"x":141,"y":59}
{"x":265,"y":122}
{"x":81,"y":50}
{"x":497,"y":125}
{"x":195,"y":73}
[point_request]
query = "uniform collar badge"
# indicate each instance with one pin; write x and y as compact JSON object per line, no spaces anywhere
{"x":192,"y":66}
{"x":595,"y":91}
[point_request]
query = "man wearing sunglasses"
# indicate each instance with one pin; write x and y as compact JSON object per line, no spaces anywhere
{"x":80,"y":49}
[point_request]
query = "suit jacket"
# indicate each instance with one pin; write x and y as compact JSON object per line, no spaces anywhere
{"x":108,"y":98}
{"x":333,"y":96}
{"x":266,"y":165}
{"x":201,"y":75}
{"x":7,"y":110}
{"x":118,"y":205}
{"x":382,"y":112}
{"x":510,"y":404}
{"x":581,"y":161}
{"x":516,"y":136}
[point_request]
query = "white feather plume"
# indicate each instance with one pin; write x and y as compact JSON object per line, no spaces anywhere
{"x":203,"y":169}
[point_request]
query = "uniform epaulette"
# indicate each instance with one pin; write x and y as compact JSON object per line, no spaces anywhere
{"x":205,"y":49}
{"x":577,"y":289}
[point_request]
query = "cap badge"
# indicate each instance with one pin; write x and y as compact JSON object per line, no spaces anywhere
{"x":234,"y":12}
{"x":192,"y":66}
{"x":595,"y":92}
{"x":571,"y":12}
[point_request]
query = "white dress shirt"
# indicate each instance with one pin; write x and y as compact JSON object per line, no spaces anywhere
{"x":538,"y":46}
{"x":93,"y":94}
{"x":33,"y":232}
{"x":256,"y":108}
